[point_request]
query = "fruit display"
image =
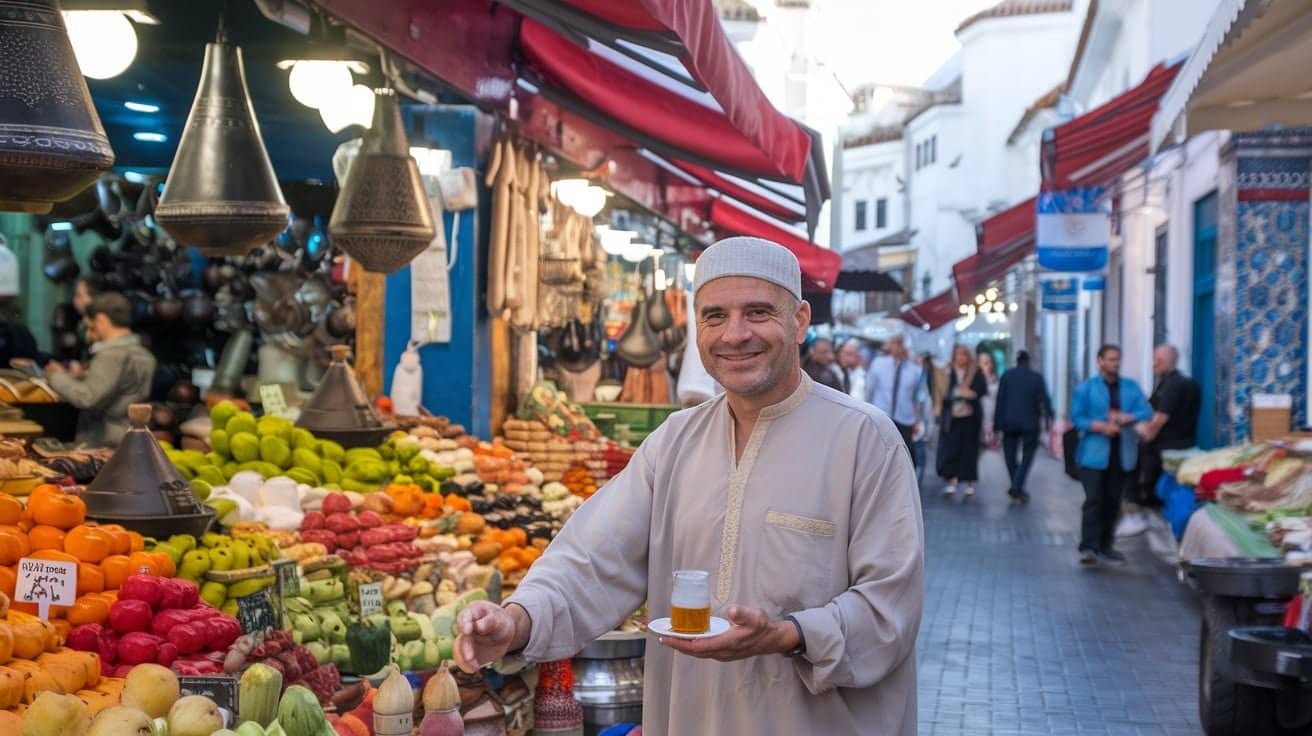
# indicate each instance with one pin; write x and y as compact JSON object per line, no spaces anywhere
{"x":272,"y":662}
{"x":159,"y":620}
{"x":362,"y":539}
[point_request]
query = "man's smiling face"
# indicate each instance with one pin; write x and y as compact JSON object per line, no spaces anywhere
{"x":748,"y":331}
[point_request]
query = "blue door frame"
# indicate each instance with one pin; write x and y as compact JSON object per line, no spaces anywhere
{"x":1204,"y":332}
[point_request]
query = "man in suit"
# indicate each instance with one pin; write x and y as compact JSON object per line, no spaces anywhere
{"x":1105,"y":409}
{"x":1022,"y":405}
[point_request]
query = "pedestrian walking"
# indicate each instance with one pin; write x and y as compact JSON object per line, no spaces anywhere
{"x":988,"y":368}
{"x":1175,"y":401}
{"x":822,"y":590}
{"x":853,"y":364}
{"x":960,"y":423}
{"x":820,"y":365}
{"x":1104,"y":410}
{"x":894,"y":385}
{"x":1022,"y":407}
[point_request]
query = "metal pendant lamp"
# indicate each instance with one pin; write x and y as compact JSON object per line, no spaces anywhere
{"x":221,"y":195}
{"x":382,"y":218}
{"x":52,"y":145}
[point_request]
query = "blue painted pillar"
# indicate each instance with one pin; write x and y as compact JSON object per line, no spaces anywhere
{"x":457,"y":375}
{"x":1261,"y":315}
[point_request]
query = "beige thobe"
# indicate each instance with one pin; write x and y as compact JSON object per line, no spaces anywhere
{"x":820,"y":519}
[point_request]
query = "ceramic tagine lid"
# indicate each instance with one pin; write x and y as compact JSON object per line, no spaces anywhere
{"x":139,"y":483}
{"x":340,"y":410}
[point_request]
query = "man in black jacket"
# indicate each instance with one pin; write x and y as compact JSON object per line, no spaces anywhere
{"x":1022,"y":404}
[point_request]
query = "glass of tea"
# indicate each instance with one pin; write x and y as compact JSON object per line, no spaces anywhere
{"x":690,"y":603}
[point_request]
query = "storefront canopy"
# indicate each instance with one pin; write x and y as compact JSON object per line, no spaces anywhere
{"x":593,"y":77}
{"x":1249,"y":71}
{"x":933,"y":312}
{"x":820,"y":266}
{"x":1107,"y":141}
{"x":1002,"y":242}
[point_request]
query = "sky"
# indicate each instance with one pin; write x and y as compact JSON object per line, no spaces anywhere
{"x":891,"y":41}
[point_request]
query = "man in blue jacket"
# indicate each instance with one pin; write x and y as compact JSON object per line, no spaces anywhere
{"x":1105,"y":409}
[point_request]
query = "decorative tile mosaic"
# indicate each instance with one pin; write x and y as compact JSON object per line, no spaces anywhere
{"x":1269,"y":335}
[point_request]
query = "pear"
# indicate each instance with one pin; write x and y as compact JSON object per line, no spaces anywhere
{"x":152,"y":689}
{"x":52,"y":714}
{"x":194,"y":715}
{"x":121,"y":720}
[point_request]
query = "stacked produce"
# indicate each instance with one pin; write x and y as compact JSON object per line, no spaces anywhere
{"x":159,"y":620}
{"x":319,"y":618}
{"x":270,"y":663}
{"x":150,"y":702}
{"x":363,"y":539}
{"x":548,"y":451}
{"x":33,"y":660}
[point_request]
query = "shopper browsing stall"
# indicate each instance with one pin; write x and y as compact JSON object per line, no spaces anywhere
{"x":818,"y":564}
{"x":119,"y":373}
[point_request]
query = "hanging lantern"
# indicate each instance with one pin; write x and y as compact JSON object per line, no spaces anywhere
{"x":52,"y":145}
{"x":382,"y":217}
{"x":221,"y":195}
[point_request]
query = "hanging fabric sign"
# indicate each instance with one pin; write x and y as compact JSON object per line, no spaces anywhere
{"x":1060,"y":294}
{"x":1097,"y":282}
{"x":1072,"y":231}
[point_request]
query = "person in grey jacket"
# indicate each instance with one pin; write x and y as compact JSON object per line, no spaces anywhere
{"x":119,"y":373}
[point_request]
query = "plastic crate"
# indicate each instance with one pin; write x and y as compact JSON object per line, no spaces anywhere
{"x":641,"y":419}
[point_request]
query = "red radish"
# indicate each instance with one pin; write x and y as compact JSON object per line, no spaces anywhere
{"x":130,"y":615}
{"x":146,"y":588}
{"x":335,"y":503}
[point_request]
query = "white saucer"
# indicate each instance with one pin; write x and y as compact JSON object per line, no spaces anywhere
{"x":661,"y":627}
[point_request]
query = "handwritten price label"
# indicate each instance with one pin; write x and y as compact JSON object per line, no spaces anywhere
{"x":46,"y":584}
{"x":273,"y":400}
{"x":371,"y":599}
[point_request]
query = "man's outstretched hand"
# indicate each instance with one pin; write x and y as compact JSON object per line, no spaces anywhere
{"x":486,"y":632}
{"x":753,"y":634}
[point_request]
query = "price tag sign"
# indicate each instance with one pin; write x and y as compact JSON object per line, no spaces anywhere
{"x":272,"y":399}
{"x":46,"y":584}
{"x":255,"y":612}
{"x":222,"y":689}
{"x":371,"y":599}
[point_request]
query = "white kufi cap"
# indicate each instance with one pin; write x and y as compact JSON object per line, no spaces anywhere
{"x":752,"y":257}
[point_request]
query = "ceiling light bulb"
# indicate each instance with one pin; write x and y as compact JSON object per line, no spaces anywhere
{"x":589,"y":201}
{"x":986,"y":307}
{"x":316,"y":83}
{"x":355,"y":107}
{"x":616,"y":242}
{"x":104,"y":41}
{"x":991,"y":295}
{"x":568,"y":190}
{"x":636,"y":252}
{"x":963,"y":309}
{"x":1013,"y":307}
{"x":979,"y":298}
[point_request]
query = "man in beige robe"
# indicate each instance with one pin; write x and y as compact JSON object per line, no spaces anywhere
{"x":800,"y":502}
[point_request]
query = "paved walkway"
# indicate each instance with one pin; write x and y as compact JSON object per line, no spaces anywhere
{"x":1018,"y":640}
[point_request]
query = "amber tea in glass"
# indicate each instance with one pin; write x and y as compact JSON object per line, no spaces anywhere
{"x":690,"y":603}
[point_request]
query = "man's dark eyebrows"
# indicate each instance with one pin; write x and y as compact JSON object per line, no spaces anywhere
{"x":710,"y":309}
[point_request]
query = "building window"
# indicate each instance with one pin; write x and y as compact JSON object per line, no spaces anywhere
{"x":926,"y":152}
{"x":881,"y":213}
{"x":933,"y":149}
{"x":861,"y":206}
{"x":918,"y":159}
{"x":1159,"y":287}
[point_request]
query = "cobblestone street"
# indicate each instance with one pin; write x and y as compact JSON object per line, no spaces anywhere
{"x":1018,"y":640}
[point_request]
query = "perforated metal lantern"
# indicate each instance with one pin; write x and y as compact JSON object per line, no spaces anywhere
{"x":221,"y":195}
{"x":52,"y":145}
{"x":382,"y":218}
{"x":340,"y":410}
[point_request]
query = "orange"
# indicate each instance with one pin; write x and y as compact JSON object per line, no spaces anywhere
{"x":122,"y":538}
{"x":88,"y":609}
{"x":53,"y":555}
{"x":88,"y":543}
{"x":135,"y":543}
{"x":46,"y":537}
{"x":8,"y":579}
{"x":143,"y":559}
{"x":90,"y":578}
{"x":62,"y":510}
{"x":11,"y":510}
{"x":12,"y":547}
{"x":164,"y":566}
{"x":116,"y":568}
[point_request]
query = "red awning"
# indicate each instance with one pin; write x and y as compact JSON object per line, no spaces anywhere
{"x":933,"y":312}
{"x":820,"y":266}
{"x":1107,"y":141}
{"x":657,"y":112}
{"x":1003,"y":241}
{"x":757,"y":197}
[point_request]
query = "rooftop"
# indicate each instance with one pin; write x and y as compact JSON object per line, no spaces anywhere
{"x":1012,"y":8}
{"x":1047,"y":100}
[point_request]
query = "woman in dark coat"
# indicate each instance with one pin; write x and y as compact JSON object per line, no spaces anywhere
{"x":960,"y":422}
